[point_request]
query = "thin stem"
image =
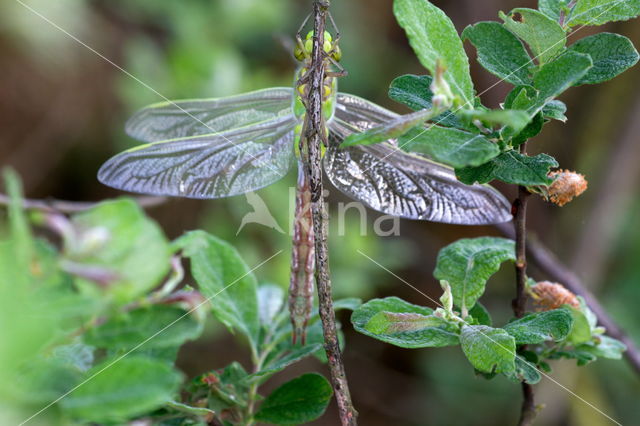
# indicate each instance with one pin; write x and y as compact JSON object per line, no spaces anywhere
{"x":313,"y":137}
{"x":528,"y":409}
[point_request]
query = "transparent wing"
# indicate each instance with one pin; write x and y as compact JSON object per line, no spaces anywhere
{"x":209,"y":166}
{"x":179,"y":119}
{"x":398,"y":183}
{"x":360,"y":113}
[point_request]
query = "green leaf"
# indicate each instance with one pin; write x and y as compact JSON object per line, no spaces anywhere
{"x":434,"y":38}
{"x":555,"y":110}
{"x":295,"y":355}
{"x":389,"y":130}
{"x":604,"y":347}
{"x":599,"y":12}
{"x":225,"y":280}
{"x":612,"y":54}
{"x":489,"y":350}
{"x":157,"y":326}
{"x":467,"y":264}
{"x":521,"y":97}
{"x":581,"y":329}
{"x":480,"y":314}
{"x":348,"y":303}
{"x":454,"y":147}
{"x":511,"y":167}
{"x":552,"y":8}
{"x":515,"y":119}
{"x":545,"y":37}
{"x":270,"y":303}
{"x":540,"y":327}
{"x":500,"y":52}
{"x":136,"y":251}
{"x":394,"y":321}
{"x":415,"y":92}
{"x":531,"y":130}
{"x":120,"y":389}
{"x":524,"y":371}
{"x":301,"y":400}
{"x":557,"y":76}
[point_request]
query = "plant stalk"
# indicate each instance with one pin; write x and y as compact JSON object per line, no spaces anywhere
{"x":313,"y":137}
{"x":528,"y":409}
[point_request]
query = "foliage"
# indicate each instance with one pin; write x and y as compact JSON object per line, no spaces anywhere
{"x":101,"y":310}
{"x":468,"y":264}
{"x":483,"y":145}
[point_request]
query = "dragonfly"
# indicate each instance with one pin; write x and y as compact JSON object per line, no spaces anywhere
{"x":221,"y":147}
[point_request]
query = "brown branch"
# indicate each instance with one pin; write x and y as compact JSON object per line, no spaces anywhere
{"x":314,"y":136}
{"x":60,"y":206}
{"x":554,"y":270}
{"x":528,"y":408}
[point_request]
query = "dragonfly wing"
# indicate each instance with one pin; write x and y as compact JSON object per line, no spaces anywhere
{"x":179,"y":119}
{"x":208,"y":166}
{"x":398,"y":183}
{"x":361,"y":113}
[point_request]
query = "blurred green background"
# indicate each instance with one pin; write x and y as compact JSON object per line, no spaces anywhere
{"x":62,"y":111}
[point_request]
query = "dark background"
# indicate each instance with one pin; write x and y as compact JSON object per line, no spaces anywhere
{"x":62,"y":111}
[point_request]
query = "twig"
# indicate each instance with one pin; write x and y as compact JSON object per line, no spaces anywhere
{"x":60,"y":206}
{"x":528,"y":409}
{"x":549,"y":264}
{"x":314,"y":135}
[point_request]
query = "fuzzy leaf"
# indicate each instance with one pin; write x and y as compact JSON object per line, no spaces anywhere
{"x":467,"y":264}
{"x":415,"y":92}
{"x":581,"y":329}
{"x":511,"y":167}
{"x":225,"y":280}
{"x":489,"y":350}
{"x":555,"y":110}
{"x":545,"y":37}
{"x":453,"y":147}
{"x":557,"y":76}
{"x":552,"y":8}
{"x":599,"y":12}
{"x":403,"y":324}
{"x":480,"y":314}
{"x":500,"y":52}
{"x":612,"y":54}
{"x":434,"y":38}
{"x":270,"y":302}
{"x":301,"y":400}
{"x":390,"y":130}
{"x":524,"y":371}
{"x":122,"y":390}
{"x":540,"y":327}
{"x":136,"y":250}
{"x":606,"y":347}
{"x":293,"y":356}
{"x":158,"y":326}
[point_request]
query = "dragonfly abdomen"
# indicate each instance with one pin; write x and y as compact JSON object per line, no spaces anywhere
{"x":303,"y":259}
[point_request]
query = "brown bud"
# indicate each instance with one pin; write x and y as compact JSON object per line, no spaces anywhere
{"x":566,"y":186}
{"x":547,"y":296}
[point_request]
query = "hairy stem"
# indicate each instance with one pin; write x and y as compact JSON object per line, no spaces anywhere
{"x":314,"y":136}
{"x":528,"y":409}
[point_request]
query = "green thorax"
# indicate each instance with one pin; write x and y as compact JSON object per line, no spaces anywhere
{"x":329,"y":98}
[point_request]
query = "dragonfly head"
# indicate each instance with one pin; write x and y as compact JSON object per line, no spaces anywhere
{"x":303,"y":50}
